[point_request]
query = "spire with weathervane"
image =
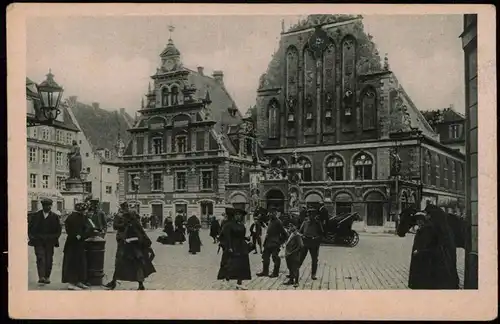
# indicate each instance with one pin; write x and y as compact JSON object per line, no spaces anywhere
{"x":170,"y":56}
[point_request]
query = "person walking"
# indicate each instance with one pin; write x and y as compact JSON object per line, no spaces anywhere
{"x":312,"y":232}
{"x":215,"y":229}
{"x":276,"y":235}
{"x":293,"y":249}
{"x":179,"y":229}
{"x":78,"y":228}
{"x":44,"y":231}
{"x":193,"y":229}
{"x":256,"y":234}
{"x":235,"y":263}
{"x":134,"y":255}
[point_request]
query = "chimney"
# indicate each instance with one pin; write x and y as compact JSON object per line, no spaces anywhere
{"x":122,"y":111}
{"x":95,"y":105}
{"x":200,"y":70}
{"x":218,"y":76}
{"x":73,"y":99}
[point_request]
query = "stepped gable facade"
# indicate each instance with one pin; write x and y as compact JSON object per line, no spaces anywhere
{"x":187,"y":142}
{"x":330,"y":108}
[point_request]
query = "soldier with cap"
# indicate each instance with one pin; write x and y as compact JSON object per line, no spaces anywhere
{"x":276,"y":235}
{"x":312,"y":233}
{"x":98,"y":217}
{"x":44,"y":230}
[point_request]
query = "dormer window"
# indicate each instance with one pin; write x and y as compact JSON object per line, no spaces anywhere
{"x":454,"y":131}
{"x":232,"y":111}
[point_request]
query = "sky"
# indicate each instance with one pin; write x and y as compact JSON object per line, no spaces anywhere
{"x":110,"y":59}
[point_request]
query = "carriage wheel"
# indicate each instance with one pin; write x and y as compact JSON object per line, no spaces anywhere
{"x":354,"y":239}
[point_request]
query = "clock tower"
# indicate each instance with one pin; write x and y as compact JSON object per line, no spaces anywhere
{"x":170,"y":57}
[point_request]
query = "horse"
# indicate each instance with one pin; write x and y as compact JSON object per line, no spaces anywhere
{"x":433,"y":261}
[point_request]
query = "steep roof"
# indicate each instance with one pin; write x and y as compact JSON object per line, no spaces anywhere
{"x":442,"y":116}
{"x":102,"y":127}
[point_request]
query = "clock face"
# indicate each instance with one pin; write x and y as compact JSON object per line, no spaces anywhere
{"x":169,"y":64}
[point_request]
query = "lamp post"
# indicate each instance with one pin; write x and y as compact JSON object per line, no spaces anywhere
{"x":49,"y":93}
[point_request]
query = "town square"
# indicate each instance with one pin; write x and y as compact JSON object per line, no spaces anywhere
{"x":175,"y":162}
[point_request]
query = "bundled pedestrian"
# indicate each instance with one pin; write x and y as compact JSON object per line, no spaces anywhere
{"x":235,"y":263}
{"x":293,"y":250}
{"x":276,"y":235}
{"x":134,"y":254}
{"x":44,"y":230}
{"x":98,"y":217}
{"x":179,"y":229}
{"x":214,"y":229}
{"x":169,"y":236}
{"x":193,"y":229}
{"x":312,"y":233}
{"x":78,"y":227}
{"x":256,"y":234}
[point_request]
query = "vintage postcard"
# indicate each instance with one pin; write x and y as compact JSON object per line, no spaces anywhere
{"x":199,"y":161}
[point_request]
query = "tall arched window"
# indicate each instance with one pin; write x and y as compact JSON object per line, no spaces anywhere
{"x":453,"y":174}
{"x":306,"y":168}
{"x":445,"y":172}
{"x":335,"y":168}
{"x":369,"y":108}
{"x":174,"y":95}
{"x":164,"y":96}
{"x":273,"y":114}
{"x":428,"y":169}
{"x":363,"y":167}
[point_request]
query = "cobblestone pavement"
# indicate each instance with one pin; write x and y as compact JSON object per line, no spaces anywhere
{"x":379,"y":261}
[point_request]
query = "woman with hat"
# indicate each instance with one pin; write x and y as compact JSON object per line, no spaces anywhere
{"x":235,"y":263}
{"x":193,"y":228}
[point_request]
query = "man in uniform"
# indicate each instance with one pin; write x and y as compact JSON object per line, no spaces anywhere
{"x":98,"y":217}
{"x":276,"y":235}
{"x":44,"y":230}
{"x":312,"y":232}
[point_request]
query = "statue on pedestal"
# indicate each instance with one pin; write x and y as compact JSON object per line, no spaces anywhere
{"x":75,"y":162}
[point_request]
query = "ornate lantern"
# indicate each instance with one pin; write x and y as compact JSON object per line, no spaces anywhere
{"x":50,"y":94}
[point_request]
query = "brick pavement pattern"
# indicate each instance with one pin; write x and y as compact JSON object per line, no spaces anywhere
{"x":379,"y":261}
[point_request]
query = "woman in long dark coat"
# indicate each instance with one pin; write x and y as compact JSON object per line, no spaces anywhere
{"x":134,"y":254}
{"x":193,"y":229}
{"x":74,"y":268}
{"x":169,"y":237}
{"x":180,"y":235}
{"x":235,"y":263}
{"x":434,"y":260}
{"x":214,"y":229}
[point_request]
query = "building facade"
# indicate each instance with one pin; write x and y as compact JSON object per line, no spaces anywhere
{"x":47,"y":154}
{"x":100,"y":143}
{"x":188,"y":142}
{"x":337,"y":127}
{"x":469,"y":44}
{"x":449,"y":125}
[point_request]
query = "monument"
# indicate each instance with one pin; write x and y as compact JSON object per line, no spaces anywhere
{"x":74,"y":184}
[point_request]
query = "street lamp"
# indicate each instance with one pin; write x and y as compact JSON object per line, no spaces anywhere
{"x":50,"y":94}
{"x":136,"y":184}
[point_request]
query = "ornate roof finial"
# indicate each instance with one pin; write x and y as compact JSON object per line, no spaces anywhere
{"x":171,"y":28}
{"x":386,"y":62}
{"x":282,"y":25}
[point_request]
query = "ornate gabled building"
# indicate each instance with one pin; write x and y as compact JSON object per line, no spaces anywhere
{"x":187,"y":143}
{"x":337,"y":126}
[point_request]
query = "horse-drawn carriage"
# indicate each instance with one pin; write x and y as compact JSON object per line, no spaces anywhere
{"x":338,"y":230}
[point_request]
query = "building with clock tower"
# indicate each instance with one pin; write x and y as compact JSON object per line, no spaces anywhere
{"x":188,"y":142}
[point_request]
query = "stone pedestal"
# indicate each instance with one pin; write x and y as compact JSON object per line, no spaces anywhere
{"x":74,"y":193}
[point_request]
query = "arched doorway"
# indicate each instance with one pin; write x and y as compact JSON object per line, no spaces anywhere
{"x":276,"y":199}
{"x":313,"y":200}
{"x":343,"y":203}
{"x":374,"y":209}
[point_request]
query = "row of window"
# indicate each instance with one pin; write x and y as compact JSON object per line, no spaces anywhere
{"x":180,"y":181}
{"x":363,"y":167}
{"x":179,"y":144}
{"x":45,"y":181}
{"x":46,"y":134}
{"x":37,"y":155}
{"x":441,"y":171}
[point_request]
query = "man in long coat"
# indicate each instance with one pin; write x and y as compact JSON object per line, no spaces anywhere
{"x":214,"y":229}
{"x":133,"y":254}
{"x":78,"y":229}
{"x":276,"y":235}
{"x":44,"y":230}
{"x":193,"y":229}
{"x":434,"y":261}
{"x":98,"y":217}
{"x":312,"y":231}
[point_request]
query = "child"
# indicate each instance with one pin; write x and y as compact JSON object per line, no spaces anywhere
{"x":293,"y":248}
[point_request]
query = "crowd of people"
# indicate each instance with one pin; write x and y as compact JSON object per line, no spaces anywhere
{"x":291,"y":238}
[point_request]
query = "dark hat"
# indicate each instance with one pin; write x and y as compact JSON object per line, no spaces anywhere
{"x":241,"y":211}
{"x":46,"y":201}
